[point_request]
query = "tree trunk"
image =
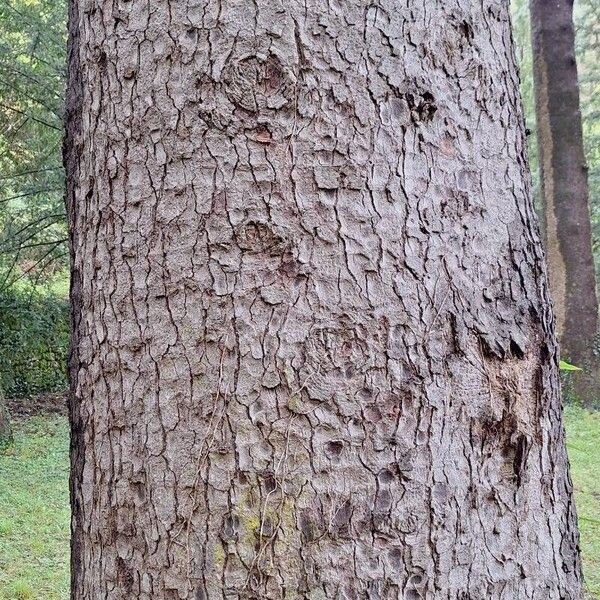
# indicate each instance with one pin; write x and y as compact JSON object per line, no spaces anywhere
{"x":563,"y":175}
{"x":313,"y":355}
{"x":6,"y":434}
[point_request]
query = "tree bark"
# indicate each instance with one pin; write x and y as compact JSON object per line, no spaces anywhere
{"x":6,"y":434}
{"x":563,"y":175}
{"x":312,"y":350}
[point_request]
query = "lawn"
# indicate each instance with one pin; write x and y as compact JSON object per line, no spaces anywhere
{"x":34,"y":513}
{"x":583,"y":445}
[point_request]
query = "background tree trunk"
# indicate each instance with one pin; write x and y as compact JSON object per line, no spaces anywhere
{"x":313,"y":355}
{"x":6,"y":434}
{"x":563,"y":175}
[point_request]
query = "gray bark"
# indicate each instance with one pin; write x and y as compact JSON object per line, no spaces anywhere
{"x":563,"y":174}
{"x":313,"y":355}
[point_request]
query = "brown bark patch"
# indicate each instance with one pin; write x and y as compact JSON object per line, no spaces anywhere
{"x":258,"y":237}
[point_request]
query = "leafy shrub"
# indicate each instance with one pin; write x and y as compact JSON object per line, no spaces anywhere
{"x":34,"y":337}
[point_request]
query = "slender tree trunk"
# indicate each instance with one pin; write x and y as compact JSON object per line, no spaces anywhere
{"x":563,"y":175}
{"x":313,"y":355}
{"x":6,"y":434}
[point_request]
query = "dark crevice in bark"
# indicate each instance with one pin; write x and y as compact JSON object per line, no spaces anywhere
{"x":72,"y":149}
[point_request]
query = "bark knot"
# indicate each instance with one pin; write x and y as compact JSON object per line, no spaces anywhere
{"x":258,"y":83}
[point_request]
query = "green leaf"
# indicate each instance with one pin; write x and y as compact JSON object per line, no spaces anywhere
{"x":563,"y":365}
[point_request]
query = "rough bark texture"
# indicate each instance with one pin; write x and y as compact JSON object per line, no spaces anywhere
{"x":313,"y":354}
{"x":563,"y":175}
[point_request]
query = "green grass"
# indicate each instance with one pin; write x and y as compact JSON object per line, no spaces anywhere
{"x":583,"y":445}
{"x":34,"y":513}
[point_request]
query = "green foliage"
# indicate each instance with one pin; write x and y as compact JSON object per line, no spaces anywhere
{"x":34,"y":512}
{"x":34,"y":341}
{"x":33,"y":324}
{"x":587,"y":22}
{"x":32,"y":216}
{"x":522,"y":36}
{"x":563,"y":365}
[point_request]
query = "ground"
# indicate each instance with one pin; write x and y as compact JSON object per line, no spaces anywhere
{"x":34,"y":509}
{"x":583,"y":446}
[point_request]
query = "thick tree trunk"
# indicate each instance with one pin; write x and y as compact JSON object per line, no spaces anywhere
{"x":313,"y":355}
{"x":563,"y":175}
